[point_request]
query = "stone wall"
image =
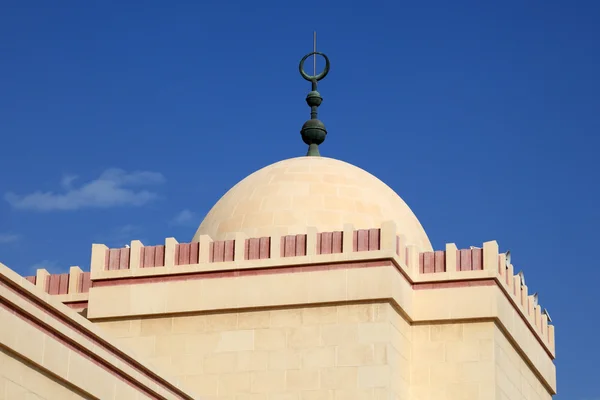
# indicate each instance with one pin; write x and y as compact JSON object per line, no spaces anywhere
{"x":358,"y":351}
{"x":21,"y":380}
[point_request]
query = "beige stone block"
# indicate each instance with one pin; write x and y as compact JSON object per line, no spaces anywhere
{"x":146,"y":299}
{"x":55,"y":357}
{"x":486,"y":349}
{"x":318,"y":357}
{"x":220,"y":363}
{"x":355,"y":394}
{"x":80,"y":370}
{"x":303,"y":379}
{"x":339,"y":334}
{"x":355,"y":355}
{"x":419,"y":375}
{"x":202,"y":343}
{"x":285,"y":359}
{"x":267,"y":381}
{"x":252,"y":396}
{"x":443,"y":373}
{"x":339,"y":378}
{"x":285,"y":396}
{"x":466,"y":391}
{"x":234,"y":384}
{"x":221,"y":322}
{"x":319,"y":315}
{"x":30,"y":341}
{"x":355,"y":313}
{"x":446,"y":332}
{"x":478,"y":330}
{"x":252,"y":361}
{"x":460,"y":352}
{"x":142,"y":346}
{"x":254,"y":320}
{"x":189,"y":324}
{"x":420,"y":333}
{"x":374,"y":376}
{"x":156,"y":326}
{"x":384,"y":394}
{"x":187,"y":364}
{"x":217,"y":294}
{"x":375,"y":332}
{"x":236,"y":341}
{"x":14,"y":391}
{"x":116,"y":329}
{"x":270,"y":339}
{"x":369,"y":283}
{"x":327,"y":286}
{"x":400,"y":343}
{"x":288,"y":288}
{"x":286,"y":318}
{"x":8,"y":333}
{"x":382,"y":312}
{"x":317,"y":395}
{"x":202,"y":384}
{"x":170,"y":345}
{"x":163,"y":363}
{"x":304,"y":337}
{"x":380,"y":353}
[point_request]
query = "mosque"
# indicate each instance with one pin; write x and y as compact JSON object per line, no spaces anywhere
{"x":310,"y":279}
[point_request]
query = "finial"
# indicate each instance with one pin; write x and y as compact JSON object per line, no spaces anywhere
{"x":313,"y":131}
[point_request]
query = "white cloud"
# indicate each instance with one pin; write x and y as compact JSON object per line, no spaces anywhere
{"x":185,"y":217}
{"x":113,"y":188}
{"x":8,"y":238}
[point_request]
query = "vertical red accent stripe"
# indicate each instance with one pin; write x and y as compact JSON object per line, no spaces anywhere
{"x":440,"y":261}
{"x":211,"y":252}
{"x":86,"y":282}
{"x":337,"y":246}
{"x":176,"y":255}
{"x":465,"y":260}
{"x":159,"y":255}
{"x":63,"y":284}
{"x":218,"y":251}
{"x":114,"y":259}
{"x":124,"y":258}
{"x":300,"y":248}
{"x":421,"y":263}
{"x":54,"y":285}
{"x":326,"y":239}
{"x":149,"y":254}
{"x":477,"y":257}
{"x":355,"y":241}
{"x":363,"y":240}
{"x":31,"y":279}
{"x":194,"y":252}
{"x":107,"y":259}
{"x":229,"y":250}
{"x":252,"y":249}
{"x":428,"y":262}
{"x":264,"y":248}
{"x":374,"y":236}
{"x":289,"y":249}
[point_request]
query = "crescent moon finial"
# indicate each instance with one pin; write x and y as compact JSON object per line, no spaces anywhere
{"x":313,"y":131}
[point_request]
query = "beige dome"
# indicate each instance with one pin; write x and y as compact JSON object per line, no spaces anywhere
{"x":290,"y":195}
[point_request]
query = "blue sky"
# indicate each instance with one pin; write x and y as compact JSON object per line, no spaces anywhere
{"x":127,"y":120}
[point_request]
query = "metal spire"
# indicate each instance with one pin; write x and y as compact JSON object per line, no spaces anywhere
{"x":313,"y":131}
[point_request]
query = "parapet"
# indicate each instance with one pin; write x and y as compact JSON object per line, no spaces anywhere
{"x":347,"y":248}
{"x":70,"y":288}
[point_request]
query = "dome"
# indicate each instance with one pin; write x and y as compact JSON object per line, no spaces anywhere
{"x":291,"y":195}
